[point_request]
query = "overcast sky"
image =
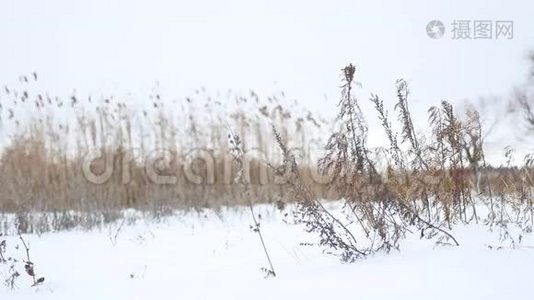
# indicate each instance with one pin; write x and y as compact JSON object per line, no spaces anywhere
{"x":295,"y":46}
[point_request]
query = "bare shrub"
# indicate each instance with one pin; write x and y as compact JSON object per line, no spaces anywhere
{"x":429,"y":183}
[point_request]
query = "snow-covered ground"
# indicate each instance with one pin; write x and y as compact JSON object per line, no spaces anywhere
{"x":210,"y":255}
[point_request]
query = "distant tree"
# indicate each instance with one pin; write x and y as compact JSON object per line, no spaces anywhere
{"x":523,"y":98}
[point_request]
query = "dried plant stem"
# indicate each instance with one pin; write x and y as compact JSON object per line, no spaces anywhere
{"x":238,"y":153}
{"x":257,"y":226}
{"x":29,"y":263}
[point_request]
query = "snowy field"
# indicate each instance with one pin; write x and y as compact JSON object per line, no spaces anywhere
{"x":208,"y":255}
{"x":178,"y":76}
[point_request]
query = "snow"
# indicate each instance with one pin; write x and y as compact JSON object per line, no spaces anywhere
{"x":208,"y":254}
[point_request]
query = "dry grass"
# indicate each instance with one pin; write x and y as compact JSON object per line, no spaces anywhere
{"x":428,"y":184}
{"x":163,"y":155}
{"x":173,"y":154}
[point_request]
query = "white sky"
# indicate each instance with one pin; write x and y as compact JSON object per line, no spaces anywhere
{"x":295,"y":46}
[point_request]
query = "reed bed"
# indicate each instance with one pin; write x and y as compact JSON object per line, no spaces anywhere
{"x":99,"y":155}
